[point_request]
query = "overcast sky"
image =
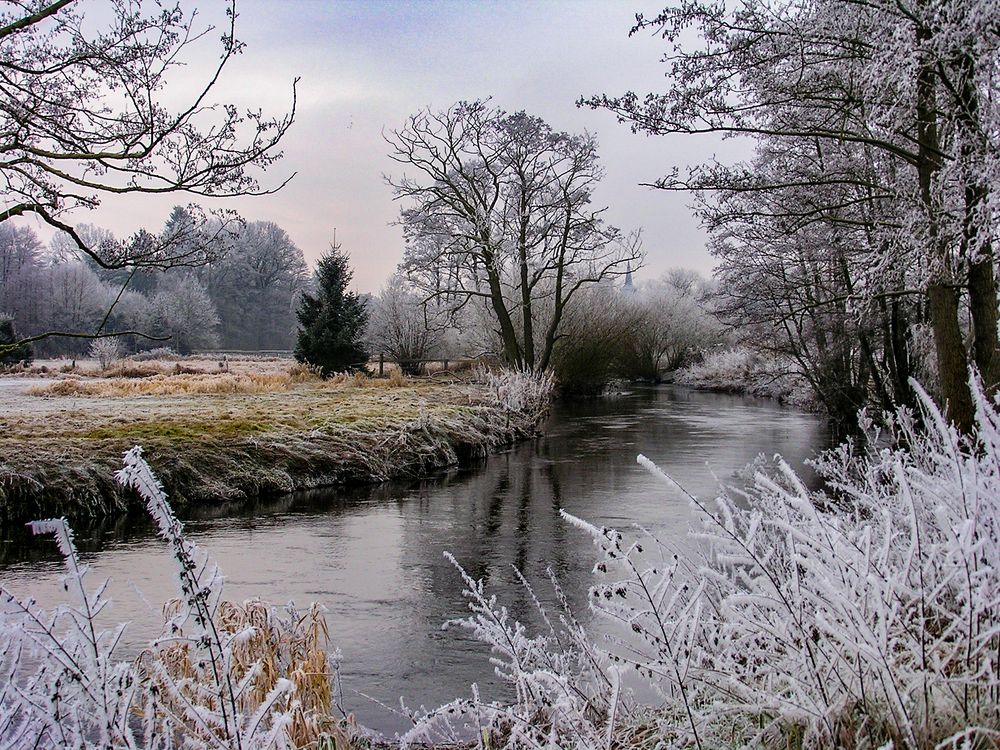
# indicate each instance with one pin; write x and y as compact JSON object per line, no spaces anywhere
{"x":365,"y":66}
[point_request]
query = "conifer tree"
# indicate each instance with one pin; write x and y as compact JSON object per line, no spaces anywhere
{"x":10,"y":351}
{"x":332,"y":323}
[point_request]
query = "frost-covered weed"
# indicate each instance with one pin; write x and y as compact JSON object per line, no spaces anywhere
{"x":566,"y":692}
{"x":524,"y":392}
{"x":856,"y":618}
{"x":221,"y":676}
{"x":60,"y":684}
{"x":866,"y":616}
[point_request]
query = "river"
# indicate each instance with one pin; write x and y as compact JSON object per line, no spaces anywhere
{"x":374,"y":555}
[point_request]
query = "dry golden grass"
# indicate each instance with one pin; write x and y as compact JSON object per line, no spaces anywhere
{"x":292,"y":646}
{"x":165,"y":385}
{"x":187,"y":381}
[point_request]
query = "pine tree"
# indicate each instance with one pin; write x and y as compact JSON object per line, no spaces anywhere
{"x":332,"y":322}
{"x":10,"y":354}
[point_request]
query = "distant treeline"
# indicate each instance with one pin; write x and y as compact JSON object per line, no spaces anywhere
{"x":243,"y":297}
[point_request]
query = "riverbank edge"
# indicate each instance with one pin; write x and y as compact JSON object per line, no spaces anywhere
{"x":218,"y":471}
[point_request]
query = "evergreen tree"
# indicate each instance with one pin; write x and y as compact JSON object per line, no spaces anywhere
{"x":332,"y":323}
{"x":9,"y":354}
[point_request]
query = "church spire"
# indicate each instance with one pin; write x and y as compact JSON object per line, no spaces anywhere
{"x":629,"y":286}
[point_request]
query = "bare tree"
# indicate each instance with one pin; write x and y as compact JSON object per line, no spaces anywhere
{"x":498,"y":208}
{"x":84,"y":116}
{"x":402,"y":325}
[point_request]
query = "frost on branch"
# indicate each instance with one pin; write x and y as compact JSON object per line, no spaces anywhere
{"x":566,"y":694}
{"x":863,"y":616}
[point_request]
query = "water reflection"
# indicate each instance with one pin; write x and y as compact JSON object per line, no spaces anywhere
{"x":374,"y":556}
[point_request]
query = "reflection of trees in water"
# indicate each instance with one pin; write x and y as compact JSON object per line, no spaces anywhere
{"x":93,"y":535}
{"x":503,"y":517}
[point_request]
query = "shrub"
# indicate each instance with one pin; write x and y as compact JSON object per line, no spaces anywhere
{"x":741,"y":370}
{"x":526,"y":393}
{"x":106,"y":351}
{"x":593,"y":333}
{"x":164,"y":353}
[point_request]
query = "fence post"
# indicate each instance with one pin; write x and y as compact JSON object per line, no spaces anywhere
{"x":381,"y":364}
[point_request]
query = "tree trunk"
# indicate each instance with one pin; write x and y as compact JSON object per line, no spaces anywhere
{"x":953,"y":366}
{"x":978,"y":247}
{"x":983,"y":306}
{"x":558,"y":303}
{"x":942,"y":294}
{"x":527,"y":324}
{"x":508,"y":335}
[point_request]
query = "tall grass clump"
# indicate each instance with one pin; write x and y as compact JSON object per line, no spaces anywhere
{"x":232,"y":677}
{"x":866,"y":615}
{"x":526,"y":393}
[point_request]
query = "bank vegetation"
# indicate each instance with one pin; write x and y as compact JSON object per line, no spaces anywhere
{"x":223,"y":437}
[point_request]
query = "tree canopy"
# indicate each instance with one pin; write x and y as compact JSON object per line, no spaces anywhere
{"x":868,"y":209}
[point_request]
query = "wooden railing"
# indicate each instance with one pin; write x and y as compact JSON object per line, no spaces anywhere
{"x":381,"y":361}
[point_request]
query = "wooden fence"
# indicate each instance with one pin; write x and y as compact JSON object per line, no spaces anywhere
{"x":382,"y":361}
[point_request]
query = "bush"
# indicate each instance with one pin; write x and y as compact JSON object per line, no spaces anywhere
{"x":593,"y":331}
{"x":741,"y":370}
{"x":164,"y":353}
{"x":106,"y":351}
{"x":528,"y":394}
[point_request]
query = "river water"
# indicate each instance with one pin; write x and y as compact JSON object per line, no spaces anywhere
{"x":374,"y":556}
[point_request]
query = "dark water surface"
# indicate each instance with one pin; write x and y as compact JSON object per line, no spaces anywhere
{"x":374,"y":556}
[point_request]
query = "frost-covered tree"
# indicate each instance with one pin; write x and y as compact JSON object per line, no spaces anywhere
{"x":332,"y":321}
{"x":255,"y":284}
{"x":886,"y":109}
{"x":77,"y":302}
{"x":182,"y":310}
{"x":88,"y":115}
{"x":403,"y":326}
{"x":90,"y":109}
{"x":22,"y":277}
{"x":498,"y":208}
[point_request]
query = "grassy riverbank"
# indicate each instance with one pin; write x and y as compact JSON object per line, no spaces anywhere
{"x":232,"y":436}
